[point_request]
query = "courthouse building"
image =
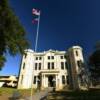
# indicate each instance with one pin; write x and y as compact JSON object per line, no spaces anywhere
{"x":53,"y":68}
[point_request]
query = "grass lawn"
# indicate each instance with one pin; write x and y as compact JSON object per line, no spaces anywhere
{"x":75,"y":95}
{"x":5,"y":93}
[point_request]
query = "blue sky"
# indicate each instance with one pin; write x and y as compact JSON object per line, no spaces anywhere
{"x":63,"y":23}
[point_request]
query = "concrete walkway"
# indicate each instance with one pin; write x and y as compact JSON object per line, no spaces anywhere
{"x":40,"y":95}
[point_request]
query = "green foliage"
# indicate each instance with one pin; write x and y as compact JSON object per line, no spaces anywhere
{"x":12,"y":34}
{"x":95,"y":58}
{"x":74,"y":95}
{"x":2,"y":59}
{"x":9,"y":91}
{"x":94,"y":62}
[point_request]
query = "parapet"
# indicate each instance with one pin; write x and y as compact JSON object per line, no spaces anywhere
{"x":29,"y":50}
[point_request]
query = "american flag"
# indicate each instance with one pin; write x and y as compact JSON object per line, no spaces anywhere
{"x":35,"y":20}
{"x":35,"y":12}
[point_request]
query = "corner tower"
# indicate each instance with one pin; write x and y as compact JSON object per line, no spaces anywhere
{"x":26,"y":70}
{"x":76,"y":68}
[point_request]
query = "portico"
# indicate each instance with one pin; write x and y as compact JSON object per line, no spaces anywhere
{"x":50,"y":79}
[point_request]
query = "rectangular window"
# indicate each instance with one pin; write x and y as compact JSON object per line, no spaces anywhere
{"x":63,"y":79}
{"x":36,"y":58}
{"x":35,"y":66}
{"x":67,"y":79}
{"x":34,"y":80}
{"x":21,"y":79}
{"x":76,"y":53}
{"x":62,"y":65}
{"x":48,"y":57}
{"x":65,"y":57}
{"x":39,"y":66}
{"x":61,"y":57}
{"x":79,"y":63}
{"x":52,"y":57}
{"x":52,"y":65}
{"x":40,"y":58}
{"x":66,"y":65}
{"x":23,"y":65}
{"x":25,"y":55}
{"x":48,"y":65}
{"x":38,"y":77}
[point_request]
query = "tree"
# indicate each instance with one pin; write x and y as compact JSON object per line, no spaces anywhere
{"x":94,"y":62}
{"x":12,"y":34}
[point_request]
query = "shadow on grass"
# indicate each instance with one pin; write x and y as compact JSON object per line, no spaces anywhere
{"x":75,"y":95}
{"x":15,"y":96}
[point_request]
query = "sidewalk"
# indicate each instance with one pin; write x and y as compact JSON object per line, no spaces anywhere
{"x":40,"y":95}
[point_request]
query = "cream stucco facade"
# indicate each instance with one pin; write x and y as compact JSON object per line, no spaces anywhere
{"x":51,"y":68}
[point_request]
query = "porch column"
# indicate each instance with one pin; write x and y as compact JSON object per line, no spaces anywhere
{"x":42,"y":81}
{"x":36,"y":82}
{"x":57,"y":82}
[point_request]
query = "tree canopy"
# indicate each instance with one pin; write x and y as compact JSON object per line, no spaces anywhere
{"x":12,"y":34}
{"x":94,"y":62}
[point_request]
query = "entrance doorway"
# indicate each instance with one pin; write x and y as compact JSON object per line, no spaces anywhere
{"x":51,"y":81}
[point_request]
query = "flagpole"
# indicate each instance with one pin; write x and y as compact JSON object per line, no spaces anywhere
{"x":35,"y":49}
{"x":37,"y":33}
